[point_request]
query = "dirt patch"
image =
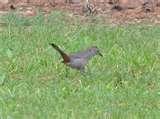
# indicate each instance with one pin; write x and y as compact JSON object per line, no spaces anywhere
{"x":117,"y":11}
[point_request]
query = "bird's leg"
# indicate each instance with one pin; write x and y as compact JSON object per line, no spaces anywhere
{"x":90,"y":74}
{"x":82,"y":71}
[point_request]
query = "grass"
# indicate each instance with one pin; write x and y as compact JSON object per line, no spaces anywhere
{"x":125,"y":83}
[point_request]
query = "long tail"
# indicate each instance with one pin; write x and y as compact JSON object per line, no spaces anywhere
{"x":65,"y":57}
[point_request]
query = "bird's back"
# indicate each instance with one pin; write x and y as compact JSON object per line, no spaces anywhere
{"x":87,"y":54}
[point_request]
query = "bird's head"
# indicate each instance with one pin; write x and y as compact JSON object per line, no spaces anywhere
{"x":95,"y":50}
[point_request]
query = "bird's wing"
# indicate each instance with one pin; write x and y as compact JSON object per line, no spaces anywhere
{"x":78,"y":63}
{"x":82,"y":54}
{"x":65,"y":57}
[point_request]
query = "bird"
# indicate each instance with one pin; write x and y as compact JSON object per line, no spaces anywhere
{"x":78,"y":60}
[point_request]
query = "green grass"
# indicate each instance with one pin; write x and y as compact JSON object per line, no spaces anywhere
{"x":125,"y":83}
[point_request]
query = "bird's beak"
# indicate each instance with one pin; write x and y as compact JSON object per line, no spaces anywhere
{"x":100,"y":54}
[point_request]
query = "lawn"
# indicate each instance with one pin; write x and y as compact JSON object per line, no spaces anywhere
{"x":34,"y":84}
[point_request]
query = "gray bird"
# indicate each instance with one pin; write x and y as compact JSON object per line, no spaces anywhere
{"x":78,"y":60}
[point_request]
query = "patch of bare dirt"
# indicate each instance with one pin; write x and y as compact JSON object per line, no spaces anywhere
{"x":116,"y":11}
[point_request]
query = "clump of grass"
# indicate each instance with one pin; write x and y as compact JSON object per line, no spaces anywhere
{"x":15,"y":20}
{"x":33,"y":83}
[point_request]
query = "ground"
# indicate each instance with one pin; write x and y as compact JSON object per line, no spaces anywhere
{"x":34,"y":84}
{"x":103,"y":7}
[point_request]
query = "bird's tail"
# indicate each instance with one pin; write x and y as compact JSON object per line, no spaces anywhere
{"x":65,"y":57}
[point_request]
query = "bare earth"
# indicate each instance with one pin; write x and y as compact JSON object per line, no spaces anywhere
{"x":131,"y":11}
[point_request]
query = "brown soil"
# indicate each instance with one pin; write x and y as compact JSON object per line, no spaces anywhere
{"x":117,"y":11}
